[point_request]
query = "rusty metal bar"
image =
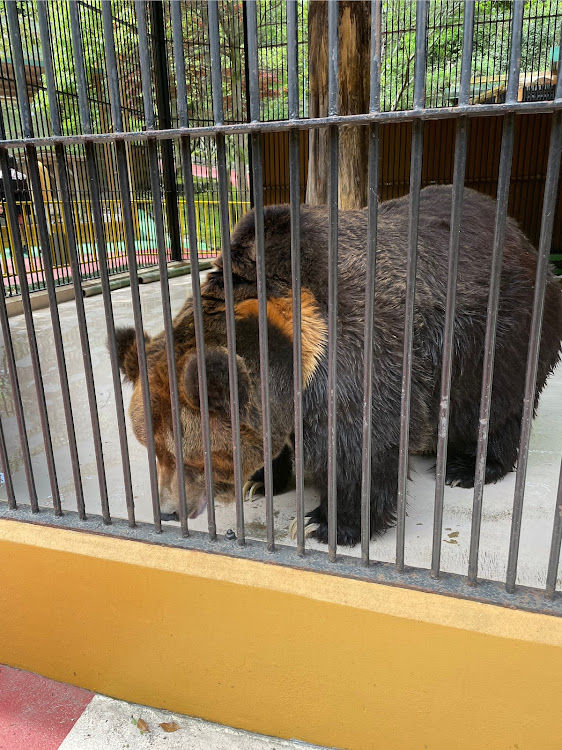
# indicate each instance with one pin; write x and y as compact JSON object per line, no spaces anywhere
{"x":333,"y":150}
{"x":279,"y":126}
{"x":44,"y":241}
{"x":415,"y":188}
{"x":93,"y":178}
{"x":227,"y":269}
{"x":506,"y":157}
{"x":545,"y":243}
{"x":120,"y":152}
{"x":461,"y":148}
{"x":194,"y":261}
{"x":6,"y":471}
{"x":556,"y":543}
{"x":373,"y":169}
{"x":294,"y":191}
{"x":257,"y":172}
{"x":31,"y":335}
{"x":146,"y":76}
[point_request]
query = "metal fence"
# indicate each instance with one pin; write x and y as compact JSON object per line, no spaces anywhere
{"x":444,"y":39}
{"x":159,"y":34}
{"x":196,"y":317}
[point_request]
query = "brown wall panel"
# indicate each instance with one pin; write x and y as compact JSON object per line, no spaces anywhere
{"x":532,"y":137}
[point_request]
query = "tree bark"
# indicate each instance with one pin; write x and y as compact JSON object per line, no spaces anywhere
{"x":353,"y":98}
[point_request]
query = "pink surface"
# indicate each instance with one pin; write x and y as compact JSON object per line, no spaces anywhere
{"x":36,"y":713}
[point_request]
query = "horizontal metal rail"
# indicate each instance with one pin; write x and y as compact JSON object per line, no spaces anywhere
{"x":306,"y":123}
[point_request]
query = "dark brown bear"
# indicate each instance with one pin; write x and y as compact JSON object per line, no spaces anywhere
{"x":475,"y":252}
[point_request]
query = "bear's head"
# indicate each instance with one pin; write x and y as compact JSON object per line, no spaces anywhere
{"x":218,"y":390}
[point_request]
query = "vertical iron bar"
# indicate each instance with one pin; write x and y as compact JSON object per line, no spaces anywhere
{"x":373,"y":204}
{"x":6,"y":471}
{"x":252,"y":42}
{"x":194,"y":262}
{"x":162,"y":88}
{"x":294,"y":195}
{"x":121,"y":157}
{"x":17,"y":250}
{"x":415,"y":188}
{"x":506,"y":157}
{"x":94,"y":183}
{"x":80,"y":311}
{"x":41,"y":220}
{"x":18,"y":406}
{"x":333,"y":148}
{"x":461,"y":146}
{"x":554,"y":557}
{"x":162,"y":262}
{"x":82,"y":327}
{"x":21,"y":85}
{"x":247,"y":84}
{"x":227,"y":268}
{"x":545,"y":242}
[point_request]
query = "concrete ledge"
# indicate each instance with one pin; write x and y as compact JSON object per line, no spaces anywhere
{"x":285,"y":652}
{"x":40,"y":300}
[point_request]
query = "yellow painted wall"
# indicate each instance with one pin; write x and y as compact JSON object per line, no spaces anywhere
{"x":332,"y":661}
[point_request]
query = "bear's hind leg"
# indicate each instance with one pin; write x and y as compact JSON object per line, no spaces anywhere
{"x":503,"y":444}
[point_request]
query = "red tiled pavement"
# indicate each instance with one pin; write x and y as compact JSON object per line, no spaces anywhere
{"x":36,"y":713}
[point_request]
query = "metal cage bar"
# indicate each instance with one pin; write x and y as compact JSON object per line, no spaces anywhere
{"x":333,"y":205}
{"x":282,"y":126}
{"x":227,"y":268}
{"x":545,"y":241}
{"x":31,"y":335}
{"x":146,"y":75}
{"x":124,"y":187}
{"x":257,"y":171}
{"x":94,"y":184}
{"x":39,"y":207}
{"x":422,"y":8}
{"x":6,"y":470}
{"x":194,"y":261}
{"x":294,"y":192}
{"x":461,"y":148}
{"x":506,"y":157}
{"x":370,"y":277}
{"x":81,"y":314}
{"x":556,"y":543}
{"x":18,"y":405}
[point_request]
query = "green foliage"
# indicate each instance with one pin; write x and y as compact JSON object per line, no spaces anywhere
{"x":491,"y":45}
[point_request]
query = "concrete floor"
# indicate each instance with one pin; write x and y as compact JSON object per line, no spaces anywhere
{"x":542,"y":476}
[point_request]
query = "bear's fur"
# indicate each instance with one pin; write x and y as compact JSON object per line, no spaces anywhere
{"x":475,"y":255}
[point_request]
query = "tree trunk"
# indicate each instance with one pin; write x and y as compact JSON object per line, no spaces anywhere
{"x":353,"y":98}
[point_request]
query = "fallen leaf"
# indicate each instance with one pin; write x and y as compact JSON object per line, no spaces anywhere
{"x":143,"y":726}
{"x":170,"y":726}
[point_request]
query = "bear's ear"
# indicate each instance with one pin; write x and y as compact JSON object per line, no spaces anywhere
{"x":127,"y":353}
{"x":218,"y":384}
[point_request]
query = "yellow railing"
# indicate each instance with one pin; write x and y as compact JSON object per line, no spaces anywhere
{"x":207,"y":214}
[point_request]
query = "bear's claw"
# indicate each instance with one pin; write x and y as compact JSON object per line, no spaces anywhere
{"x":250,"y":489}
{"x":309,"y":528}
